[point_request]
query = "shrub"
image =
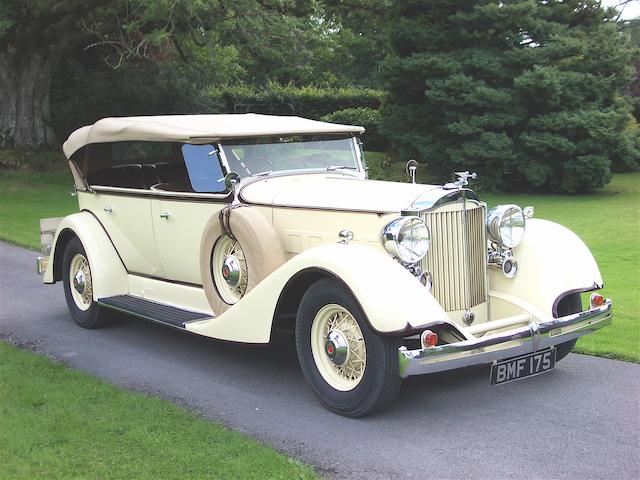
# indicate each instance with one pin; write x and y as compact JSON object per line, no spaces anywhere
{"x":365,"y":117}
{"x":310,"y":102}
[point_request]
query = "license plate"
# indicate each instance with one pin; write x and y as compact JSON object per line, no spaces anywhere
{"x":521,"y":367}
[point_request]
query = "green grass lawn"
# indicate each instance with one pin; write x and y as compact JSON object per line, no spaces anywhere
{"x":56,"y":422}
{"x":607,"y":220}
{"x":26,"y":197}
{"x":609,"y":223}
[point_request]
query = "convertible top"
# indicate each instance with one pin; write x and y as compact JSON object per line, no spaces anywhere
{"x":197,"y":129}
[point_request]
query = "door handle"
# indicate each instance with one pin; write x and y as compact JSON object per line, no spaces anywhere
{"x":165,"y":215}
{"x":108,"y":209}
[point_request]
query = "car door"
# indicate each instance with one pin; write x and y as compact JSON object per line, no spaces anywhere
{"x":181,"y":212}
{"x":121,"y":201}
{"x":126,"y":217}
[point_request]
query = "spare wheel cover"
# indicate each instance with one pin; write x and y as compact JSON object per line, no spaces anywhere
{"x":260,"y":247}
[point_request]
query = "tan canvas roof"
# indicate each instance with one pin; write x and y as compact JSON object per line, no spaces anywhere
{"x":196,"y":128}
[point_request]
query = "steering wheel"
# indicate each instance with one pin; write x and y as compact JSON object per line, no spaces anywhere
{"x":260,"y":164}
{"x":237,"y":165}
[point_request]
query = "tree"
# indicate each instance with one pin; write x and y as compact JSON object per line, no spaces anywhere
{"x":527,"y":93}
{"x":252,"y":40}
{"x":33,"y":37}
{"x":360,"y":28}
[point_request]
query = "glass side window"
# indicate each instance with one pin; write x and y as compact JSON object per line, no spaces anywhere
{"x":204,"y":169}
{"x":301,"y":152}
{"x":135,"y":165}
{"x":123,"y":152}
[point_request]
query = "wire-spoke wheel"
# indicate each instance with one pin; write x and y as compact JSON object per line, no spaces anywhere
{"x":352,"y":369}
{"x":80,"y":279}
{"x":78,"y":282}
{"x":229,"y":269}
{"x":338,"y":347}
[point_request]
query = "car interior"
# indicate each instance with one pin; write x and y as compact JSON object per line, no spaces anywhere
{"x":155,"y":166}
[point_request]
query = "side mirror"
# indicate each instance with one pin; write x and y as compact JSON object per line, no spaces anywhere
{"x":411,"y":168}
{"x":231,"y":179}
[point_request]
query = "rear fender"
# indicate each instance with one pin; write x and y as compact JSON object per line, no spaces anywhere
{"x":109,"y":276}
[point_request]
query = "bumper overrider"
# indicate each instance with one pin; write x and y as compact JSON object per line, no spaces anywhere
{"x":519,"y":341}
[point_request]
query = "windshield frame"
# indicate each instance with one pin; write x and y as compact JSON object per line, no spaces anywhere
{"x":356,"y":146}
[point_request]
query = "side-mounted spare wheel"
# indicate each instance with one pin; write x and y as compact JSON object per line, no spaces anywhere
{"x":78,"y":287}
{"x":239,"y":249}
{"x":352,"y":369}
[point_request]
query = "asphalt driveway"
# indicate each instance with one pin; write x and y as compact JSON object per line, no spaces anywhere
{"x":581,"y":420}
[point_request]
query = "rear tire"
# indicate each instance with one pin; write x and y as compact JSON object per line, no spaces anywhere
{"x":78,"y":287}
{"x":568,"y":306}
{"x":369,"y":378}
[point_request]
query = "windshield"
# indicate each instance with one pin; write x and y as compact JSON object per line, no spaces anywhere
{"x":271,"y":154}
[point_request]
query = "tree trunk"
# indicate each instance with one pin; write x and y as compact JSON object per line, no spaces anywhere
{"x":25,"y":116}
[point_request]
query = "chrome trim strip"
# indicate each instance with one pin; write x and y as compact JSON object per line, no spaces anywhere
{"x":556,"y":302}
{"x":530,"y":338}
{"x":158,"y":193}
{"x":467,"y":256}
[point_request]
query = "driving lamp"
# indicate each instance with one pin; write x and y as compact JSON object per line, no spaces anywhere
{"x":406,"y":238}
{"x":506,"y":225}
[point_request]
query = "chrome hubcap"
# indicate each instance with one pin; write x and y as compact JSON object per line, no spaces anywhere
{"x":79,"y":282}
{"x":337,"y":347}
{"x":231,"y":271}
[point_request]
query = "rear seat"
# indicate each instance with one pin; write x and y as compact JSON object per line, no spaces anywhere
{"x":168,"y":176}
{"x":125,"y":176}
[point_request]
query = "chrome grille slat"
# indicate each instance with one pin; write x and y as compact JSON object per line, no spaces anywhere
{"x":446,"y":259}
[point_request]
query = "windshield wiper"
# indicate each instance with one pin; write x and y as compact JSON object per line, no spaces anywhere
{"x":262,"y":174}
{"x":340,"y":167}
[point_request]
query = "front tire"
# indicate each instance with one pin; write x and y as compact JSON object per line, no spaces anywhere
{"x":78,"y":287}
{"x":352,"y":369}
{"x":568,"y":306}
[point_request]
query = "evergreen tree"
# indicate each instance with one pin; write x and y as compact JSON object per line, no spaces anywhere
{"x":527,"y":93}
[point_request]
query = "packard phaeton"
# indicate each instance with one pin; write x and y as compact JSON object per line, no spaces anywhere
{"x":234,"y":226}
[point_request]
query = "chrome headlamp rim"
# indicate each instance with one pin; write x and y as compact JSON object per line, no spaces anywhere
{"x":496,"y":221}
{"x":401,"y":248}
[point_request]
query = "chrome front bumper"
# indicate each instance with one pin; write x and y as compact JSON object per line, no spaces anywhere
{"x":520,"y":341}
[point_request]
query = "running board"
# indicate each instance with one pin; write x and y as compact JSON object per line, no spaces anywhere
{"x":153,"y":311}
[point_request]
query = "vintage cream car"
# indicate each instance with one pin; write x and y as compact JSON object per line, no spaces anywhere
{"x":233,"y":226}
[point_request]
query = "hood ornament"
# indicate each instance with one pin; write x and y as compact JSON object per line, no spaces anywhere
{"x":463,"y":180}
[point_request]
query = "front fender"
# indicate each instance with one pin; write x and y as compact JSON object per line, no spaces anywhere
{"x":109,"y":276}
{"x":552,"y":262}
{"x":391,"y":297}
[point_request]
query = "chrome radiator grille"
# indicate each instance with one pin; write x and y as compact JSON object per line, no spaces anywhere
{"x":447,"y":260}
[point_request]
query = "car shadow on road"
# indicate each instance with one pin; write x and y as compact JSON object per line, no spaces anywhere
{"x":278,"y":362}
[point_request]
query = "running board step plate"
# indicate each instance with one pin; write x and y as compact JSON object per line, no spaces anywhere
{"x":150,"y":310}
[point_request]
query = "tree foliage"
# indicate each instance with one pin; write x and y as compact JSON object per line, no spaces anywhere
{"x":220,"y":41}
{"x":366,"y":117}
{"x":527,"y":93}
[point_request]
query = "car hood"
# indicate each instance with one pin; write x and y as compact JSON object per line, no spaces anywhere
{"x":339,"y":192}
